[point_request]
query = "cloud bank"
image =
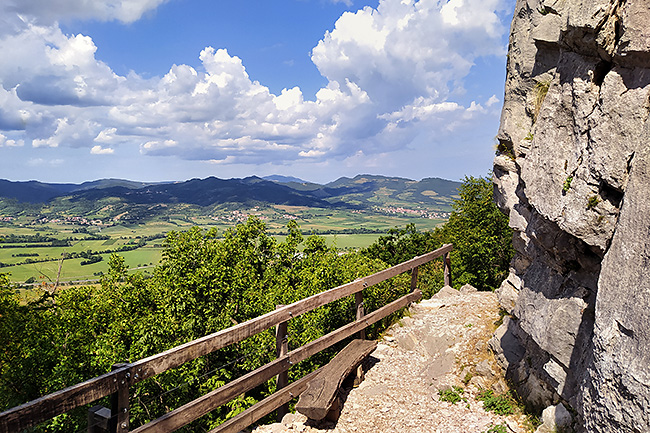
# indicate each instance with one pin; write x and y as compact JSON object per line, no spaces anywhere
{"x":393,"y":73}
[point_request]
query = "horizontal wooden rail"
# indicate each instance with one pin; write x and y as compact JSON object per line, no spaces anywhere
{"x":197,"y":408}
{"x":266,"y":406}
{"x":186,"y":352}
{"x":51,"y":405}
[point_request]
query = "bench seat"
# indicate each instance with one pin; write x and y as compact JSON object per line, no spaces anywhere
{"x":322,"y":391}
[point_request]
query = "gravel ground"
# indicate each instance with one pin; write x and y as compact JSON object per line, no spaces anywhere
{"x":441,"y":343}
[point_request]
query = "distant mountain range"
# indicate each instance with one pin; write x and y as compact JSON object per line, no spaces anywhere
{"x":40,"y":192}
{"x":360,"y":192}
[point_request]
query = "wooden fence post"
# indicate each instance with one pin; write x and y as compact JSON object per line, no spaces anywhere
{"x":98,"y":419}
{"x":414,"y":278}
{"x":447,"y":271}
{"x":281,"y":349}
{"x":358,"y":302}
{"x":358,"y":305}
{"x":119,"y":421}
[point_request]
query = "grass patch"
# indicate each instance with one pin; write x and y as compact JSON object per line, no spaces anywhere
{"x":499,"y":428}
{"x":541,"y":90}
{"x":453,"y":395}
{"x":499,"y":404}
{"x":592,"y":202}
{"x":504,"y":149}
{"x":502,"y":313}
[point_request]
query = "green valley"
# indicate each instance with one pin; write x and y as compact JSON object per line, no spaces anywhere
{"x":64,"y":232}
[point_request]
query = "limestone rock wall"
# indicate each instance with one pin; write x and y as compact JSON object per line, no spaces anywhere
{"x":573,"y":174}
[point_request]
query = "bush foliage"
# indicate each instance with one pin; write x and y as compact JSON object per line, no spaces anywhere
{"x":478,"y":230}
{"x":204,"y":284}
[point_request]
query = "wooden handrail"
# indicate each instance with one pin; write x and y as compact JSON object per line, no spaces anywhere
{"x":212,"y":400}
{"x":266,"y":406}
{"x":51,"y":405}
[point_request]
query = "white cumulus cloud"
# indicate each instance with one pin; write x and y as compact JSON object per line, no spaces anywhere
{"x":98,"y":150}
{"x":50,"y":11}
{"x":391,"y":74}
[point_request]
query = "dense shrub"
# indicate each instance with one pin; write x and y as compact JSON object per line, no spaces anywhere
{"x":204,"y":284}
{"x":478,"y":230}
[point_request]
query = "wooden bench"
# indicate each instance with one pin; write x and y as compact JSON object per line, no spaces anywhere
{"x":322,"y":391}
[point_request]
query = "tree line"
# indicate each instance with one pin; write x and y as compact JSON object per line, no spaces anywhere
{"x":206,"y":282}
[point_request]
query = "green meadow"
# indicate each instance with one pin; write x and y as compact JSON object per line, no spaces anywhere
{"x":38,"y":263}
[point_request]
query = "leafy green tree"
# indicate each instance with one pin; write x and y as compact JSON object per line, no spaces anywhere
{"x":26,"y":358}
{"x":204,"y":283}
{"x":400,"y":245}
{"x":481,"y":236}
{"x":117,"y":270}
{"x":478,"y":230}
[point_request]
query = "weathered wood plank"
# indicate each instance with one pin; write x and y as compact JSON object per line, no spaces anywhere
{"x":359,"y":311}
{"x":447,"y":270}
{"x":49,"y":406}
{"x":179,"y":355}
{"x":321,"y":392}
{"x":212,"y":400}
{"x":281,"y":349}
{"x":39,"y":410}
{"x":405,"y":266}
{"x":119,"y":423}
{"x":266,"y":406}
{"x":414,"y":278}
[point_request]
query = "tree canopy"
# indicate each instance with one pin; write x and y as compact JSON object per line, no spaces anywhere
{"x":478,"y":230}
{"x":204,"y":284}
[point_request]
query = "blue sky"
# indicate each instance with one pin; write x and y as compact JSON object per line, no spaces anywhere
{"x":158,"y":90}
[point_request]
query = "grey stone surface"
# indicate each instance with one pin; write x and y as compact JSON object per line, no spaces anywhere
{"x":468,"y":288}
{"x":558,"y":375}
{"x":555,"y":419}
{"x":573,"y":176}
{"x":407,"y":341}
{"x":619,"y":397}
{"x":439,"y":367}
{"x":506,"y":346}
{"x":436,"y":344}
{"x":446,"y":292}
{"x":507,"y":294}
{"x":484,"y":368}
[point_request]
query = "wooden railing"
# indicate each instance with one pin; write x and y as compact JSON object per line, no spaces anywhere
{"x":117,"y":382}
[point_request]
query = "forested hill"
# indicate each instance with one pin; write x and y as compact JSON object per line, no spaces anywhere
{"x":362,"y":191}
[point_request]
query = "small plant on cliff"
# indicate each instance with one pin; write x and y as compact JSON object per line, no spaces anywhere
{"x":541,"y":90}
{"x":504,"y":149}
{"x":567,"y":184}
{"x":453,"y":395}
{"x":499,"y":428}
{"x":529,"y":137}
{"x":499,"y":404}
{"x":592,"y":202}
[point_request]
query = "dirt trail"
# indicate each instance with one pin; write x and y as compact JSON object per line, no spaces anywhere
{"x":442,"y":344}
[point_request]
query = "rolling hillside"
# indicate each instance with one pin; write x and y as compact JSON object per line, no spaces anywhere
{"x":110,"y":197}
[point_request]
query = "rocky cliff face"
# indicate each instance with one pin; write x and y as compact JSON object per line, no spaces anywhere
{"x":573,"y":173}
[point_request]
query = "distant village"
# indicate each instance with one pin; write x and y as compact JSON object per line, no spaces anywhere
{"x":234,"y":216}
{"x":422,"y":213}
{"x":71,"y":220}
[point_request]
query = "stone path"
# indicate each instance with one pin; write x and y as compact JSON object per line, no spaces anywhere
{"x":442,"y":343}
